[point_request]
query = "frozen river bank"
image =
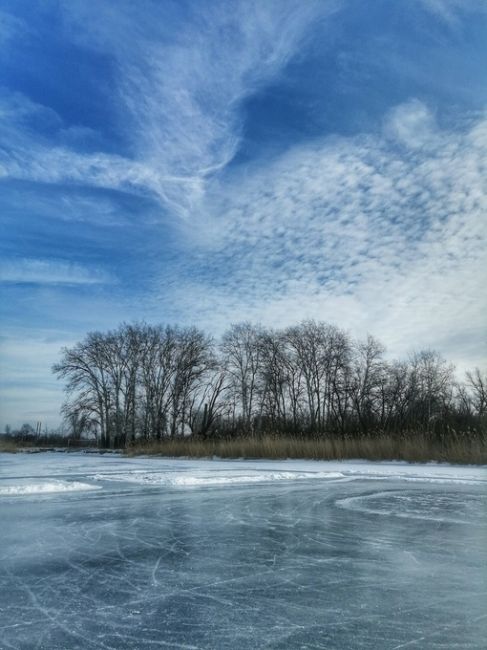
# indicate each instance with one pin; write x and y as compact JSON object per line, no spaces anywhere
{"x":109,"y":552}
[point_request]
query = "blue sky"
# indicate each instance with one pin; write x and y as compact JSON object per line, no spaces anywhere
{"x":210,"y":162}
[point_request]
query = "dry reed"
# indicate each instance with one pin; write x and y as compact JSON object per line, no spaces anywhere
{"x":413,"y":449}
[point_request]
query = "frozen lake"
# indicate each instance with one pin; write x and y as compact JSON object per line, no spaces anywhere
{"x":107,"y":552}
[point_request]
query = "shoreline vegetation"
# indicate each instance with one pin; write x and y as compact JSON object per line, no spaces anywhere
{"x":12,"y":443}
{"x":413,"y":449}
{"x":418,"y":448}
{"x":310,"y":390}
{"x":306,"y":391}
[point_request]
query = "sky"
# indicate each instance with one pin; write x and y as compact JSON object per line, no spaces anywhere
{"x":209,"y":162}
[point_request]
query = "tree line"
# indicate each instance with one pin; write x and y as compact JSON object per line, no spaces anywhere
{"x":151,"y":382}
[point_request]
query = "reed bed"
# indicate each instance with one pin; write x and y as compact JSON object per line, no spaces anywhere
{"x":417,"y":448}
{"x":9,"y":446}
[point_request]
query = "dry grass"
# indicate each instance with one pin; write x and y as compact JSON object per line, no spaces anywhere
{"x":9,"y":446}
{"x":12,"y":445}
{"x":414,"y":449}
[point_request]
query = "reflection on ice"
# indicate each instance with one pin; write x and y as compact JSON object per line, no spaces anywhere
{"x":254,"y":555}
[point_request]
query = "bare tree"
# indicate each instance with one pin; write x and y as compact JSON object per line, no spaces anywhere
{"x":194,"y":358}
{"x":145,"y":381}
{"x":208,"y":406}
{"x":86,"y":369}
{"x":431,"y":386}
{"x":276,"y":377}
{"x":477,"y":383}
{"x":367,"y":381}
{"x":242,"y":358}
{"x":321,"y":351}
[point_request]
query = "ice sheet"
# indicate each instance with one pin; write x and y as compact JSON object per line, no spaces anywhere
{"x":241,"y":554}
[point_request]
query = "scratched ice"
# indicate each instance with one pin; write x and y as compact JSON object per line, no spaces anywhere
{"x":107,"y":552}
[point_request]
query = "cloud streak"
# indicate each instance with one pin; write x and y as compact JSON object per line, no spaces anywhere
{"x":179,"y":94}
{"x":34,"y":271}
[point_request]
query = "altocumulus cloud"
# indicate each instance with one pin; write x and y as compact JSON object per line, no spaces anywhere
{"x":380,"y":232}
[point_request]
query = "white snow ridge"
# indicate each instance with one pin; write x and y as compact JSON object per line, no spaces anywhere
{"x":187,"y":479}
{"x":45,"y":487}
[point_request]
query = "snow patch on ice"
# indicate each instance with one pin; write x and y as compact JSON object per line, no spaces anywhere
{"x":192,"y":480}
{"x":46,"y":488}
{"x":422,"y":479}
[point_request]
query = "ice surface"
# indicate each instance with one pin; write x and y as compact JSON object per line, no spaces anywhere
{"x":146,"y":552}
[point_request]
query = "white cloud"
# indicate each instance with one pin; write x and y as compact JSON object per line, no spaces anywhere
{"x":27,"y":270}
{"x":179,"y":90}
{"x":10,"y":26}
{"x":412,"y":124}
{"x":448,"y":10}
